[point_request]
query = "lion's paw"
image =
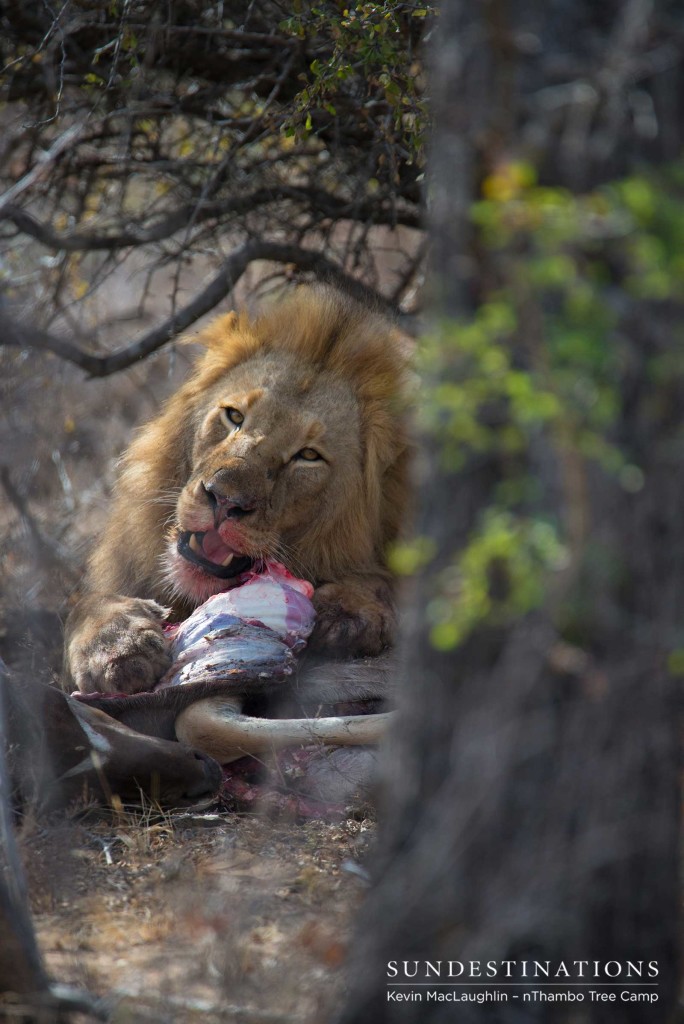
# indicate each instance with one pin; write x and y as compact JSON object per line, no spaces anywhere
{"x":116,"y":645}
{"x":353,"y":619}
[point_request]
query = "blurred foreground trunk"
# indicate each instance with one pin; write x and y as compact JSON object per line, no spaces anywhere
{"x":22,"y":975}
{"x":532,"y":808}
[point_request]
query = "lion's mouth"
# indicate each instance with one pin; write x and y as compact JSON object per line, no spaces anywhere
{"x":211,"y":554}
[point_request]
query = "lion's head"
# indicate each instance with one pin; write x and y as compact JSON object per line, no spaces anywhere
{"x":288,"y":442}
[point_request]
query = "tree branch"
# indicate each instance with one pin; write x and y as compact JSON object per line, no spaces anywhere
{"x":17,"y":335}
{"x":163,"y":227}
{"x":65,"y":140}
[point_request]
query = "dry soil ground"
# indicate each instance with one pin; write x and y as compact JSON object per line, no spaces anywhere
{"x":182,"y":919}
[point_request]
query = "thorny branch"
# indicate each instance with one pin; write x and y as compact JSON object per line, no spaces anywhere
{"x":167,"y":225}
{"x":16,"y":335}
{"x":68,"y":138}
{"x":192,"y":130}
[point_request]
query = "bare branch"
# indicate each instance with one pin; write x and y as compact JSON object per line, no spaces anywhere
{"x":43,"y":547}
{"x":413,"y":265}
{"x":65,"y":140}
{"x":198,"y":138}
{"x":324,"y":203}
{"x":20,"y":336}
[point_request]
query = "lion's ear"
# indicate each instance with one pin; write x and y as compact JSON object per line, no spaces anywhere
{"x":227,"y":341}
{"x":214,"y":335}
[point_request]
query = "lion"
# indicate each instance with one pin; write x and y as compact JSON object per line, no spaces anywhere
{"x":288,"y":442}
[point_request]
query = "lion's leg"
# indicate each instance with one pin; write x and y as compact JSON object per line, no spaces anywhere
{"x":355,"y":616}
{"x":115,"y":644}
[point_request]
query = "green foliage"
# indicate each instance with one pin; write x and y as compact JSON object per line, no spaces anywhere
{"x":409,"y":556}
{"x":499,"y":576}
{"x":366,"y":58}
{"x":543,"y":358}
{"x":486,"y":379}
{"x":675,"y":662}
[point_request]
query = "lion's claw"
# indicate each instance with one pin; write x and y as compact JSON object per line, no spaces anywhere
{"x":353,"y":619}
{"x":116,"y":645}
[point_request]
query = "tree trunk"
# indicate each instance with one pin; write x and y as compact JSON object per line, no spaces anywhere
{"x":531,"y":810}
{"x":21,"y":969}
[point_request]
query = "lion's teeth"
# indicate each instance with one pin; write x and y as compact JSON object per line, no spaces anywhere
{"x":195,"y":544}
{"x":227,"y":561}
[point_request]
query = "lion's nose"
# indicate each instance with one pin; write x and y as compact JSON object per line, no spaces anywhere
{"x":226,"y":506}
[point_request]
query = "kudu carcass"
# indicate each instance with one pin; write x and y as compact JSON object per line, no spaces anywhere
{"x":60,"y":750}
{"x":237,"y":689}
{"x":313,"y":736}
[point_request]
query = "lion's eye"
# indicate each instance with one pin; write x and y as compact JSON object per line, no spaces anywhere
{"x":309,"y":455}
{"x":232,"y":417}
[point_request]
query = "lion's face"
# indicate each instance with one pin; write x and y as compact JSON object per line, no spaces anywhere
{"x":289,"y":441}
{"x":276,"y":453}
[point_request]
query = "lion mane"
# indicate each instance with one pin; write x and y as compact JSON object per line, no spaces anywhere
{"x":318,"y":361}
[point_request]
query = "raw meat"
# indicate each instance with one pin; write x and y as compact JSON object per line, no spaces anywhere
{"x":251,"y":631}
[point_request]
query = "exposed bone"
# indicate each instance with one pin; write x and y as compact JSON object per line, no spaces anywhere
{"x":244,"y":637}
{"x":217,"y":727}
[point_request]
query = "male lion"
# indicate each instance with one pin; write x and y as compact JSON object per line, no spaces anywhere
{"x":288,"y":442}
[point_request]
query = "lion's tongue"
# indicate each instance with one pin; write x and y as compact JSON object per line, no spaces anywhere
{"x":214,"y":548}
